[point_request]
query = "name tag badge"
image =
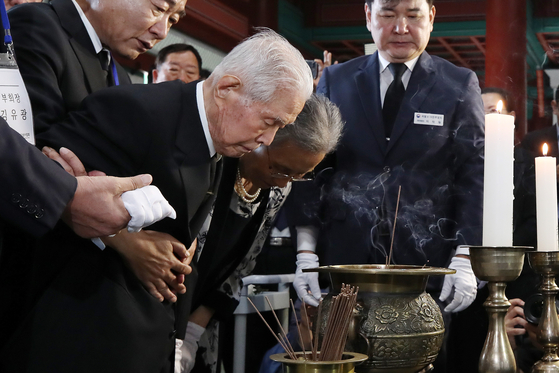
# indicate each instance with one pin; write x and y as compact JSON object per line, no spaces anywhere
{"x":15,"y":106}
{"x":428,"y":119}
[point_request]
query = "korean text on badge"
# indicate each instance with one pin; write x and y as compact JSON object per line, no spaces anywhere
{"x":428,"y":119}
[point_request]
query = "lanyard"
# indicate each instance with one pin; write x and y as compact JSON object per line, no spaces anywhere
{"x":7,"y":33}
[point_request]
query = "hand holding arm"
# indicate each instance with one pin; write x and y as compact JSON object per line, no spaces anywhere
{"x":145,"y":205}
{"x":153,"y":256}
{"x":463,"y":282}
{"x":96,"y":209}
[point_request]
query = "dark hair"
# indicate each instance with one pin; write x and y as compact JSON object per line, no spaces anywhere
{"x":506,"y":96}
{"x":369,"y":2}
{"x":176,"y":48}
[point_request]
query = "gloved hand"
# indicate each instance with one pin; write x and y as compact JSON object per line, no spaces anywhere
{"x":146,"y":206}
{"x":463,"y":282}
{"x":184,"y":361}
{"x":307,"y":280}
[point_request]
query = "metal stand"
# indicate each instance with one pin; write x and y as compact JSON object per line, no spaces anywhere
{"x":497,"y":266}
{"x":546,"y":263}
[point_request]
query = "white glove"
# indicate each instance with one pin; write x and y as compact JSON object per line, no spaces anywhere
{"x":146,"y":206}
{"x":185,"y":359}
{"x":307,"y":280}
{"x":463,"y":282}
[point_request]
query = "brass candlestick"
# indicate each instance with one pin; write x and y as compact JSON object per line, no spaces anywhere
{"x":546,"y":263}
{"x":497,"y":266}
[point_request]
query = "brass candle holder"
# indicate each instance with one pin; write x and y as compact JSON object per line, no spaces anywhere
{"x":546,"y":263}
{"x":497,"y":266}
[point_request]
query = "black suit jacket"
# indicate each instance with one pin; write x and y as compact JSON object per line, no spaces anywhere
{"x":440,"y":168}
{"x":56,"y":58}
{"x":34,"y":190}
{"x":84,"y":310}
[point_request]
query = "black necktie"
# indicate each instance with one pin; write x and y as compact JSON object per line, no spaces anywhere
{"x":393,"y":98}
{"x":104,"y":59}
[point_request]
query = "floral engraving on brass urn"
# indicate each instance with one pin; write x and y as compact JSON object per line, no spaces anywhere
{"x":404,"y":331}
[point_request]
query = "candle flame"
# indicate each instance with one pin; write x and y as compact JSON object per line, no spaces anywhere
{"x":544,"y":149}
{"x":500,"y":106}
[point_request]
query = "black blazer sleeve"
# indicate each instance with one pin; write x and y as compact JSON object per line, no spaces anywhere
{"x":34,"y":190}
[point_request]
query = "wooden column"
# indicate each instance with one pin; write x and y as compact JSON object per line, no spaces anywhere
{"x":505,"y":62}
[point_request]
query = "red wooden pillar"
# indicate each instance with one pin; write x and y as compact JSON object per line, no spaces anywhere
{"x":505,"y":58}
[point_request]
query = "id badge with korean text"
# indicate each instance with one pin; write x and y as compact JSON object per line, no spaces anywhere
{"x":15,"y":106}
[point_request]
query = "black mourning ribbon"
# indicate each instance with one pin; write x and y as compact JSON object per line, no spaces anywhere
{"x":393,"y":98}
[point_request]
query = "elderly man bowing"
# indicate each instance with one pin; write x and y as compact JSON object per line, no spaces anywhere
{"x":90,"y":312}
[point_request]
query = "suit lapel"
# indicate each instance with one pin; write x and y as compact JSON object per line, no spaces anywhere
{"x":367,"y":82}
{"x":422,"y":80}
{"x":81,"y":43}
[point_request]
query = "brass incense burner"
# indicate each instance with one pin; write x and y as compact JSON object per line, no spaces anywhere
{"x":395,"y":323}
{"x":346,"y":365}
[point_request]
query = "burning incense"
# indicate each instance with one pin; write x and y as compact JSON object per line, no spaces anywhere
{"x":389,"y":259}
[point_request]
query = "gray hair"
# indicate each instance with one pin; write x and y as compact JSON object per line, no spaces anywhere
{"x":318,"y":127}
{"x":266,"y":63}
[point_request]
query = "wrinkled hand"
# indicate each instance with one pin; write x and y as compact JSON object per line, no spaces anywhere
{"x":189,"y":348}
{"x":70,"y":162}
{"x":96,"y":209}
{"x":305,"y":281}
{"x":153,"y":256}
{"x":146,"y":206}
{"x":463,"y":282}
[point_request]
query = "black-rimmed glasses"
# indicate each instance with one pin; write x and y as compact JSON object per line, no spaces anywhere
{"x":278,"y":175}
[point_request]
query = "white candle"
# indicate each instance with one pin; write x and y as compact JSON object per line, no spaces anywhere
{"x":546,"y":202}
{"x":498,"y":183}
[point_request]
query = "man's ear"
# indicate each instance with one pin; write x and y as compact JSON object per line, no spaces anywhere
{"x":154,"y":74}
{"x":227,"y":84}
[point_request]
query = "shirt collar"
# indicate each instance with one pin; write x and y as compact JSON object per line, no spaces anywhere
{"x":383,"y":63}
{"x":203,"y":118}
{"x":90,"y":30}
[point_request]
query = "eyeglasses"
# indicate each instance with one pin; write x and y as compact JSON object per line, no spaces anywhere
{"x":278,"y":175}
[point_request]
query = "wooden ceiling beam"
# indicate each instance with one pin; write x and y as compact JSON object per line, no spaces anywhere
{"x":453,"y":52}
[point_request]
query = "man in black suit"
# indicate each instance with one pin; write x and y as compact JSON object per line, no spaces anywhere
{"x":426,"y":135}
{"x":414,"y":121}
{"x":62,"y":50}
{"x":62,"y":47}
{"x":89,"y":313}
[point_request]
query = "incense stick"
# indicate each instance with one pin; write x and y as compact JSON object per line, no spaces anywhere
{"x":273,"y":333}
{"x":299,"y":329}
{"x":394,"y":227}
{"x":279,"y":324}
{"x":316,"y":332}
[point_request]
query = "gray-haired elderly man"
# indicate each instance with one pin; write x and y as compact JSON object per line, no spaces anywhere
{"x":89,"y":312}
